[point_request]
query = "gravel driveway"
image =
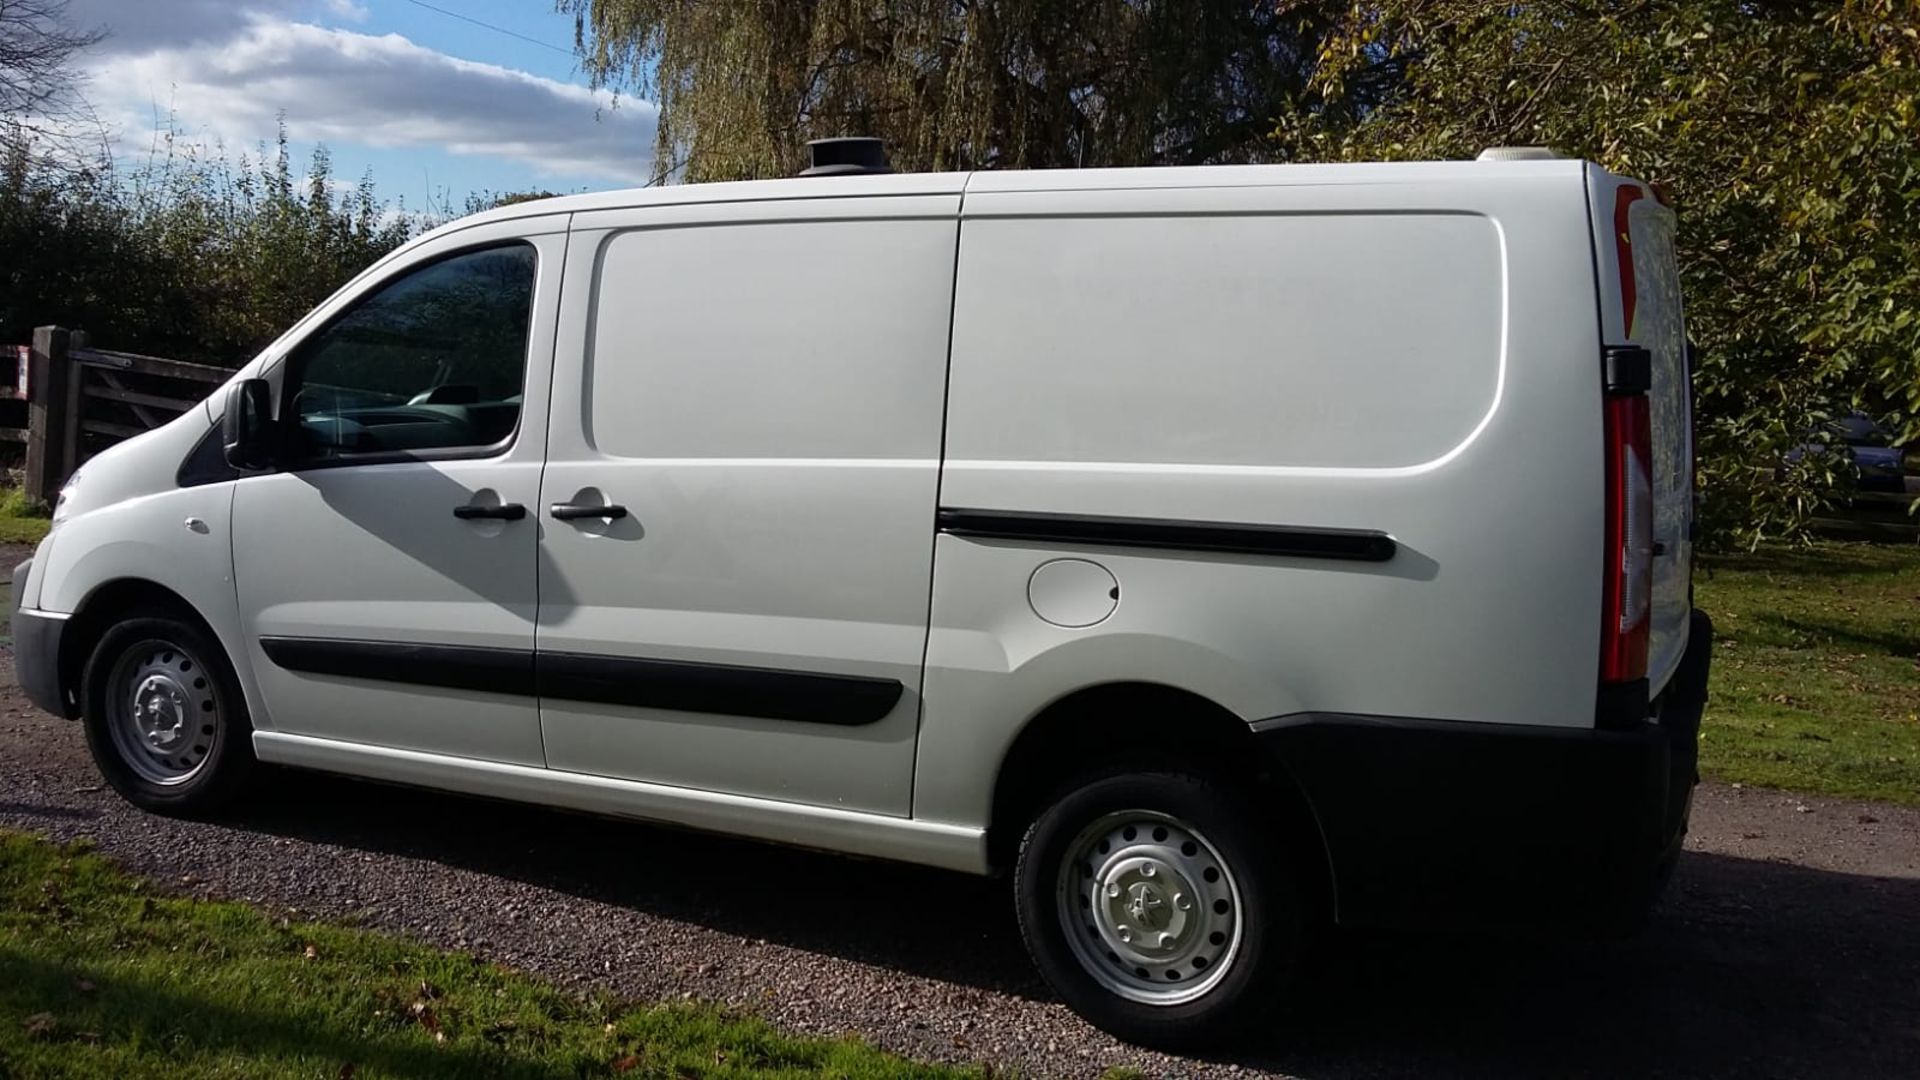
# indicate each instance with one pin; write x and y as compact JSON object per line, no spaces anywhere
{"x":1790,"y":945}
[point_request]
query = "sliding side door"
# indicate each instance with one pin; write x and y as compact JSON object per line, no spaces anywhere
{"x":738,"y":505}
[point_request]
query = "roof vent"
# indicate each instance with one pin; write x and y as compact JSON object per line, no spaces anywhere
{"x":850,"y":156}
{"x":1518,"y":153}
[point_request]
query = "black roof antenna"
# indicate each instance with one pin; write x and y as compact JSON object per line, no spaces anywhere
{"x":847,"y":156}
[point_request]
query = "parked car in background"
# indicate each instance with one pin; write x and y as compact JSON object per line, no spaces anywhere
{"x":1883,"y":466}
{"x":1877,"y":501}
{"x":1222,"y":553}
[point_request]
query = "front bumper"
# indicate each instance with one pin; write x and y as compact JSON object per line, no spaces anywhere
{"x":36,"y":650}
{"x":1450,"y":823}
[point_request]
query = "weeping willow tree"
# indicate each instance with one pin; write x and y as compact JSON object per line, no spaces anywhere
{"x":1787,"y":133}
{"x":958,"y":84}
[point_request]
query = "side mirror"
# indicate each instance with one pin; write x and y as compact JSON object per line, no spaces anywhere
{"x":246,"y":431}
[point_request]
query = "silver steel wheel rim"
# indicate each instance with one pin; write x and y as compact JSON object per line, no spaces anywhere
{"x":1149,"y":907}
{"x":161,"y":712}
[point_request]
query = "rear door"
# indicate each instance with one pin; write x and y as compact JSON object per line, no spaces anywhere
{"x":1640,"y":291}
{"x":737,"y":511}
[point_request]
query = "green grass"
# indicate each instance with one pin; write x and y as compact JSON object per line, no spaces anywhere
{"x":1816,"y":669}
{"x":101,"y":976}
{"x":21,"y":522}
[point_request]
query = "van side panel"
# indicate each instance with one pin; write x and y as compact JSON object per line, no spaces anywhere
{"x":1415,"y":358}
{"x":1249,"y":326}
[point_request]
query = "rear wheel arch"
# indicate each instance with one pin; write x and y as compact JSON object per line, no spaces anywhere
{"x":1149,"y":727}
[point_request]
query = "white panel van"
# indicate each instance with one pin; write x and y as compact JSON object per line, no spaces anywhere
{"x":1223,"y":553}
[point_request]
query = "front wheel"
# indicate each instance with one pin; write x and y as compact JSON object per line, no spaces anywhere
{"x":1158,"y":906}
{"x":164,"y":716}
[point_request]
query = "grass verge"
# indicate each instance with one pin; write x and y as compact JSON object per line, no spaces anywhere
{"x":100,"y":976}
{"x":1816,"y":670}
{"x":21,"y":522}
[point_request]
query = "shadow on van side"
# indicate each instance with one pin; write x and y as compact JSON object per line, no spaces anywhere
{"x":1753,"y":968}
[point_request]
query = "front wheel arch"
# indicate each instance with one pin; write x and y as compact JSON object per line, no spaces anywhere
{"x":106,"y":605}
{"x":164,"y":716}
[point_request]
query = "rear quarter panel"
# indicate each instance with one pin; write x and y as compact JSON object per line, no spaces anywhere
{"x":1490,"y":609}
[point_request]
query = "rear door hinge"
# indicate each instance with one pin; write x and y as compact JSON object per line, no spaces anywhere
{"x":1628,"y":369}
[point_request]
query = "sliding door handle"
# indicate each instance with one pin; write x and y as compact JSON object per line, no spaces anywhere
{"x":503,"y":512}
{"x":575,"y":511}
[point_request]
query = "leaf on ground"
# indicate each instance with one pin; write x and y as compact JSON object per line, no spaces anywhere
{"x":84,"y":985}
{"x":40,"y":1025}
{"x":310,"y":952}
{"x":626,"y":1064}
{"x":346,"y":1071}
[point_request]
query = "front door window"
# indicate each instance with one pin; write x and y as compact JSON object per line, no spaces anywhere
{"x":432,"y":362}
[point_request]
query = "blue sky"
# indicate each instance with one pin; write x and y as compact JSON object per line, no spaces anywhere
{"x":435,"y":106}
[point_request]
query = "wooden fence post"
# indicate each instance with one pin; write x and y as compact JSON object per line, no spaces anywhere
{"x":52,"y":414}
{"x":76,"y":391}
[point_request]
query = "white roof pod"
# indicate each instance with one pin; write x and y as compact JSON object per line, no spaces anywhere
{"x":1518,"y":153}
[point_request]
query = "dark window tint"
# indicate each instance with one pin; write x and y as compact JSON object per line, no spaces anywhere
{"x":433,"y":360}
{"x":206,"y":463}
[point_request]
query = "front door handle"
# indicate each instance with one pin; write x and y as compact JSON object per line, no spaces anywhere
{"x":503,"y":512}
{"x":575,"y":511}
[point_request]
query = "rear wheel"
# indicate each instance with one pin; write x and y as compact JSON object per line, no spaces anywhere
{"x":1157,"y":906}
{"x":164,"y":716}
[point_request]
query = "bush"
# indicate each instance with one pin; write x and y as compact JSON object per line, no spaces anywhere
{"x":192,"y":255}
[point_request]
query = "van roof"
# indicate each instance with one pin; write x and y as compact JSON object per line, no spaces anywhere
{"x":951,"y":183}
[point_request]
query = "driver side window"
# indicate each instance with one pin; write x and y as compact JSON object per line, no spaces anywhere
{"x":433,"y":360}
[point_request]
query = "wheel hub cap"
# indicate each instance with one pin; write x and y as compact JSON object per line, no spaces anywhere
{"x":1149,"y":907}
{"x":1144,"y":914}
{"x":161,"y":712}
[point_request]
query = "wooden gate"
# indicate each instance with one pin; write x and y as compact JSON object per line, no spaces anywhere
{"x":81,"y":400}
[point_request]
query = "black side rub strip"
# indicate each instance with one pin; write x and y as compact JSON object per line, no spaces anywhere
{"x":496,"y":671}
{"x":686,"y":686}
{"x":1299,"y":541}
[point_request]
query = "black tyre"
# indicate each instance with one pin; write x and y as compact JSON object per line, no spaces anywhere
{"x":165,"y":719}
{"x":1157,"y":906}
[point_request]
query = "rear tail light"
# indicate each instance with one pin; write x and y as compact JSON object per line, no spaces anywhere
{"x":1628,"y":596}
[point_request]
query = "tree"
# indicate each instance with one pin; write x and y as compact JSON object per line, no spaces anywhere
{"x":1787,"y":134}
{"x":481,"y":201}
{"x":38,"y":83}
{"x":490,"y":201}
{"x":743,"y":84}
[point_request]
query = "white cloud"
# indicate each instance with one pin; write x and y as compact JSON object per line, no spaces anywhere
{"x":139,"y":26}
{"x":232,"y":74}
{"x":346,"y":9}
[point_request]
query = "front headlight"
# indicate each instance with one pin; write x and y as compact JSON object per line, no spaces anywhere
{"x":60,"y":500}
